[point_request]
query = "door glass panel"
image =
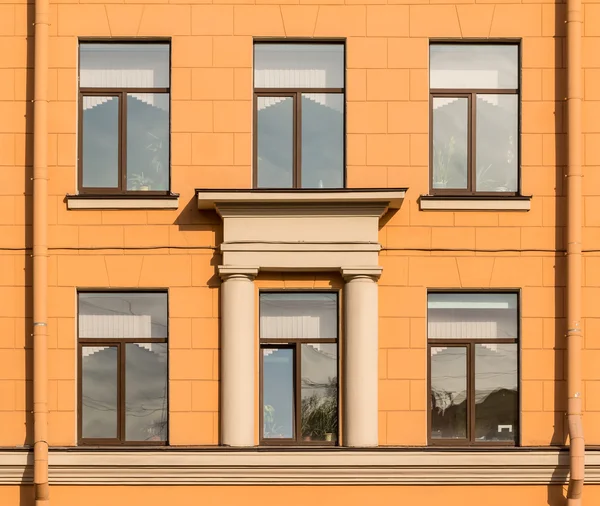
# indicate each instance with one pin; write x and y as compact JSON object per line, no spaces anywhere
{"x":100,"y":142}
{"x":278,"y":393}
{"x":319,"y":392}
{"x":322,"y":140}
{"x":99,"y":392}
{"x":496,"y":396}
{"x":497,"y":143}
{"x":448,"y":392}
{"x":148,"y":141}
{"x":450,"y":142}
{"x":275,"y":142}
{"x":146,"y":386}
{"x":298,"y":315}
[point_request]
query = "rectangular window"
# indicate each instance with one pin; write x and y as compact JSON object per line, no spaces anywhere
{"x":473,"y":368}
{"x":123,"y":380}
{"x":474,"y":141}
{"x":124,"y":118}
{"x":299,"y":368}
{"x":299,"y":115}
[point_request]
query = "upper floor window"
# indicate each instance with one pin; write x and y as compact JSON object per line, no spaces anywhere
{"x":473,"y":368}
{"x":124,"y":118}
{"x":299,"y":115}
{"x":299,"y":368}
{"x":123,"y":381}
{"x":474,"y":92}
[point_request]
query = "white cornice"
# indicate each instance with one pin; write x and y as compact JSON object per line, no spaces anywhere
{"x":212,"y":467}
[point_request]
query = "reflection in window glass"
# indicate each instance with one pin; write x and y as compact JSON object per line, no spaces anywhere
{"x":472,"y":315}
{"x":298,"y":315}
{"x":275,"y":142}
{"x":146,"y":392}
{"x":99,"y":392}
{"x":322,"y":140}
{"x":299,"y":66}
{"x":496,"y":395}
{"x":123,"y":65}
{"x":122,"y":315}
{"x":100,"y":156}
{"x":448,"y":392}
{"x":497,"y":143}
{"x":278,"y":393}
{"x":472,"y":66}
{"x":148,"y":141}
{"x":319,"y":392}
{"x":450,"y":142}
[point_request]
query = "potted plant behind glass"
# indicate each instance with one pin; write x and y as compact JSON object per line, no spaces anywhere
{"x":442,"y":158}
{"x":139,"y":182}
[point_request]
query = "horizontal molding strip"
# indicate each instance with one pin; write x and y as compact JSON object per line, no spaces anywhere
{"x":173,"y":467}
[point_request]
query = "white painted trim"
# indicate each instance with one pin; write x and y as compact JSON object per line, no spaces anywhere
{"x":441,"y":204}
{"x":208,"y":199}
{"x":222,"y":467}
{"x":132,"y":203}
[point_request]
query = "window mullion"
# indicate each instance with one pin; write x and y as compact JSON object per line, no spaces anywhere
{"x":123,"y":146}
{"x":473,"y":142}
{"x":471,"y":392}
{"x":298,"y":139}
{"x":298,"y":390}
{"x":121,"y":387}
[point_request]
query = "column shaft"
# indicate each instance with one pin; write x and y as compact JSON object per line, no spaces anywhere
{"x":361,"y":356}
{"x":237,"y":359}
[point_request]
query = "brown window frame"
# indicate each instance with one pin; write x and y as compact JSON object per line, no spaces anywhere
{"x":295,"y":344}
{"x":471,"y":95}
{"x":296,"y":95}
{"x":121,"y":93}
{"x":120,"y":344}
{"x":469,"y":344}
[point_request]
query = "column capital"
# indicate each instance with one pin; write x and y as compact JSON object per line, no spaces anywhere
{"x":232,"y":271}
{"x":370,"y":272}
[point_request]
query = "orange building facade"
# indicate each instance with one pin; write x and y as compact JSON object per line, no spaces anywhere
{"x":256,"y":206}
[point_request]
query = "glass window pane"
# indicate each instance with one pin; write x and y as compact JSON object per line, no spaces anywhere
{"x":275,"y":142}
{"x":448,"y":392}
{"x":148,"y":141}
{"x":497,"y":143}
{"x":299,"y":66}
{"x":450,"y":142}
{"x":319,"y":392}
{"x":124,"y":65}
{"x":278,"y":393}
{"x":472,"y":315}
{"x":122,"y":315}
{"x":146,"y":386}
{"x":322,"y":140}
{"x":485,"y":66}
{"x":496,"y":395}
{"x":100,"y":157}
{"x":99,"y":392}
{"x":298,"y":315}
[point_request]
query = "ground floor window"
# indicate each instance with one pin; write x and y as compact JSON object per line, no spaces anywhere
{"x":123,"y":380}
{"x":299,"y":367}
{"x":473,"y":368}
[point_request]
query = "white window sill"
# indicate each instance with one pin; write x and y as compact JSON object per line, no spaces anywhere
{"x":441,"y":203}
{"x":109,"y":202}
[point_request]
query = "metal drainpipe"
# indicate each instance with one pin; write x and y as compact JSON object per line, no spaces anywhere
{"x":40,"y":255}
{"x":574,"y":259}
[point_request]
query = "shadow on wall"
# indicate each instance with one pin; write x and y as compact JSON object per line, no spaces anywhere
{"x":557,"y":494}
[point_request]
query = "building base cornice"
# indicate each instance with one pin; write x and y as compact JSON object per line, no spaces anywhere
{"x":316,"y":467}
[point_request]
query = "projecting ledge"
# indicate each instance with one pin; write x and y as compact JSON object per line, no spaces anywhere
{"x":390,"y":197}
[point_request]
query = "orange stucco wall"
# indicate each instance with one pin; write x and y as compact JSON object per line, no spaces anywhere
{"x":298,"y":496}
{"x":387,"y":146}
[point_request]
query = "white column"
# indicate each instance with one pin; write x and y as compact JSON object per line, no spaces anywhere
{"x":361,"y":356}
{"x":237,"y":355}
